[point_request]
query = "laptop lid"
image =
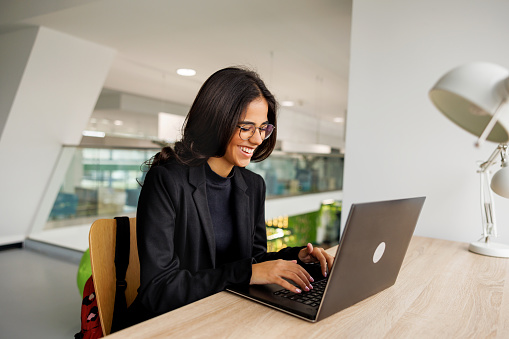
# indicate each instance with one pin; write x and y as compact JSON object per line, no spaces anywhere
{"x":368,"y":259}
{"x":371,"y":251}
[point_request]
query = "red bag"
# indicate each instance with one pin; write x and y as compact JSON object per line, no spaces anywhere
{"x":90,"y":322}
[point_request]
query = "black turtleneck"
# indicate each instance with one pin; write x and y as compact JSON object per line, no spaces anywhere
{"x":219,"y":199}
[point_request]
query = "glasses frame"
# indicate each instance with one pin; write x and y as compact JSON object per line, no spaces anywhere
{"x":254,"y":131}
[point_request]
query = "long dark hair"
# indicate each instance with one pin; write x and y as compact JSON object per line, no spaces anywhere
{"x":214,"y":115}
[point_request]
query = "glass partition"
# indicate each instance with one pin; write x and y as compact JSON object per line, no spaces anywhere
{"x":288,"y":174}
{"x":99,"y":183}
{"x":104,"y":182}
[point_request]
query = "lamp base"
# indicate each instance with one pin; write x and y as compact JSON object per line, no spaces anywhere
{"x":491,"y":249}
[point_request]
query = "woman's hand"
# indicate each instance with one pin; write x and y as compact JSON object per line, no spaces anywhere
{"x":276,"y":271}
{"x":317,"y":254}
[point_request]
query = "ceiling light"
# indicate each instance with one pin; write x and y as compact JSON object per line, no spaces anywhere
{"x":95,"y":134}
{"x":186,"y":72}
{"x":118,"y":122}
{"x":287,"y":103}
{"x":338,"y":119}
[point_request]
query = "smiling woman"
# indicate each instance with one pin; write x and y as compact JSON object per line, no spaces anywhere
{"x":201,"y":214}
{"x":218,"y":109}
{"x":242,"y":145}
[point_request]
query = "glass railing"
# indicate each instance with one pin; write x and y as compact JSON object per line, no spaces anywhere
{"x":288,"y":174}
{"x":100,"y":182}
{"x":104,"y":182}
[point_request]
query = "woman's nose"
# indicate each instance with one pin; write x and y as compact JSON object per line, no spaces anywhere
{"x":256,"y":138}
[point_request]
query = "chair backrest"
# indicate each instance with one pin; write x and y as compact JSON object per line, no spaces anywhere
{"x":102,"y":239}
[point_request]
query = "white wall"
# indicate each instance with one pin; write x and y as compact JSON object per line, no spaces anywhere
{"x":397,"y":143}
{"x":53,"y":81}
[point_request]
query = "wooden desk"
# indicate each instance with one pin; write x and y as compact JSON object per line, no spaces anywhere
{"x":443,"y":291}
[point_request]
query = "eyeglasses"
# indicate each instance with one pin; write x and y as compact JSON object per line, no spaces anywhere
{"x":247,"y":131}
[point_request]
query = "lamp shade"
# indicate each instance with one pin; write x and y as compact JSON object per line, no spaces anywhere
{"x":500,"y":182}
{"x":470,"y":95}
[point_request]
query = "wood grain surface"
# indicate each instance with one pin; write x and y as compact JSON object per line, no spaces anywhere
{"x":443,"y":291}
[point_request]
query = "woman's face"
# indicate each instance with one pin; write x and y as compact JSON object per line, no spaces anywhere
{"x":239,"y":152}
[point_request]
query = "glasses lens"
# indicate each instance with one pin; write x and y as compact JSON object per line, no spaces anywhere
{"x":266,"y":131}
{"x":246,"y":131}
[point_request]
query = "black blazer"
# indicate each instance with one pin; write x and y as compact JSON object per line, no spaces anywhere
{"x":176,"y":244}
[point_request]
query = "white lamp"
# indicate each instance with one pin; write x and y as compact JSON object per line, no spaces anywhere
{"x":500,"y":181}
{"x":472,"y":96}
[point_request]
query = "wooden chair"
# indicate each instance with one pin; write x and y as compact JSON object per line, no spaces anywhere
{"x":102,"y":239}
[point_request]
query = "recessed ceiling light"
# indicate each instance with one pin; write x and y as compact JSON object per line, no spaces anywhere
{"x":338,"y":119}
{"x":95,"y":134}
{"x":287,"y":103}
{"x":186,"y":72}
{"x":118,"y":122}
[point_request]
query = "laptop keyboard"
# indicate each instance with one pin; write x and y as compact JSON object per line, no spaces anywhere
{"x":311,"y":298}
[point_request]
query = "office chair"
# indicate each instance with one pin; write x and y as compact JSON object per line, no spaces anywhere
{"x":102,"y":239}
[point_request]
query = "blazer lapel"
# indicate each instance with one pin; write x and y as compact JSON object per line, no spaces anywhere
{"x":197,"y":179}
{"x":242,"y":215}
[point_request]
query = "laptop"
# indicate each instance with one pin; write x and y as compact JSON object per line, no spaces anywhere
{"x":368,"y":260}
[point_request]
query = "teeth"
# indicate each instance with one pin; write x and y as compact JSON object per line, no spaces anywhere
{"x":247,"y":150}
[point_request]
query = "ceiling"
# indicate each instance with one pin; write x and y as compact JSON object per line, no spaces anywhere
{"x":300,"y":47}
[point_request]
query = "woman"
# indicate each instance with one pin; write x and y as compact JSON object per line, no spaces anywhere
{"x":200,"y":217}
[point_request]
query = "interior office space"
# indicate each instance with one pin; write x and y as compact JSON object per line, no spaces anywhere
{"x":397,"y":144}
{"x":131,"y":87}
{"x":43,"y":60}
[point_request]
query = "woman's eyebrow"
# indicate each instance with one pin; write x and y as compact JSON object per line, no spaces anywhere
{"x":252,"y":123}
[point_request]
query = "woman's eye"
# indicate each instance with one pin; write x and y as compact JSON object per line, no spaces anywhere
{"x":245,"y":128}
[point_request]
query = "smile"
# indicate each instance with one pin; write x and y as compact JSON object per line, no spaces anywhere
{"x":247,"y":149}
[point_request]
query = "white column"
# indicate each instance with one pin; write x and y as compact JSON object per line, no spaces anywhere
{"x":49,"y":85}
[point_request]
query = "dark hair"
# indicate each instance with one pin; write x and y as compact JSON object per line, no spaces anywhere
{"x":214,"y":115}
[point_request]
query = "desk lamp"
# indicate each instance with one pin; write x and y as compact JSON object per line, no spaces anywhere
{"x":473,"y":97}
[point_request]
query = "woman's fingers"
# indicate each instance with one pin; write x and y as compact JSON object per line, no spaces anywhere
{"x":285,"y":284}
{"x":294,"y":272}
{"x":311,"y":254}
{"x":318,"y":254}
{"x":309,"y":247}
{"x":277,"y":271}
{"x":325,"y":261}
{"x":301,"y":277}
{"x":305,"y":254}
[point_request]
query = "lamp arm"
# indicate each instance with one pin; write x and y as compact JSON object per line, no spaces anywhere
{"x":492,"y":160}
{"x":503,"y":89}
{"x":490,"y":125}
{"x":489,"y":228}
{"x":487,"y":203}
